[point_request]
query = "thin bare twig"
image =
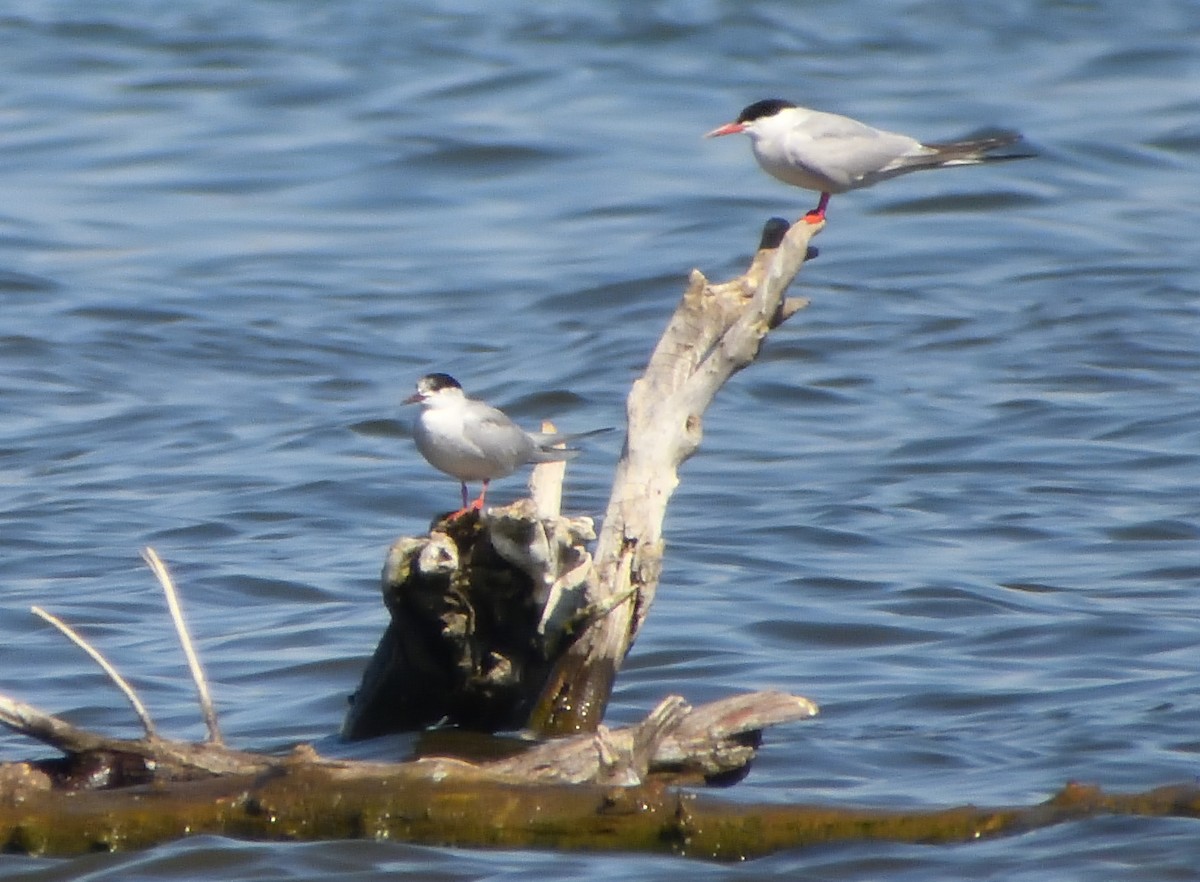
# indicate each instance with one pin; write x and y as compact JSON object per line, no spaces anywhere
{"x":206,"y":705}
{"x":77,"y":639}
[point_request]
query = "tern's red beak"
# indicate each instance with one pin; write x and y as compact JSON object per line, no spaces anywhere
{"x":727,"y":129}
{"x":415,"y":398}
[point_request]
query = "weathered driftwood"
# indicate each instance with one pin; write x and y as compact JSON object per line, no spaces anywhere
{"x":94,"y":760}
{"x":504,"y":619}
{"x":716,"y":331}
{"x":676,"y":743}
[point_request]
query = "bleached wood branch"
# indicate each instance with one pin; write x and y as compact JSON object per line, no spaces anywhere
{"x":716,"y":331}
{"x":126,"y":689}
{"x":546,"y":482}
{"x":206,"y":705}
{"x":46,"y":728}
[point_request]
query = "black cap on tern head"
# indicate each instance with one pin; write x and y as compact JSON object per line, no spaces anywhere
{"x":430,"y":384}
{"x":760,"y":109}
{"x":435,"y":382}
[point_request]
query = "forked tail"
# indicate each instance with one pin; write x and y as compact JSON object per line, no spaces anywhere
{"x":972,"y":151}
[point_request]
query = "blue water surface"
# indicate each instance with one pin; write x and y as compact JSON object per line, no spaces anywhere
{"x":956,"y":501}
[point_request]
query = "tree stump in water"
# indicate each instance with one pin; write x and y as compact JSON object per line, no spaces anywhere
{"x":479,"y":610}
{"x":504,"y":620}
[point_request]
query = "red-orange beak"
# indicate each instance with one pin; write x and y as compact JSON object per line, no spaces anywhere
{"x":728,"y":129}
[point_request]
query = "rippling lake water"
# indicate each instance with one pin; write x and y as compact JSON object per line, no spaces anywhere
{"x":955,"y":502}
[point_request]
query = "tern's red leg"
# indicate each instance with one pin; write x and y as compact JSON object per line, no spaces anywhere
{"x":477,"y":505}
{"x":817,"y":215}
{"x":466,"y":506}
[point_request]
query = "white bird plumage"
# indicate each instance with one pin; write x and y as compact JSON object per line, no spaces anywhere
{"x":830,"y":154}
{"x":473,"y":441}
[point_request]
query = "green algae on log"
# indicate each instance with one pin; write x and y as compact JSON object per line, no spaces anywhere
{"x":445,"y":803}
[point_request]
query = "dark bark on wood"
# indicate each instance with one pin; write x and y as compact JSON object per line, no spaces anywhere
{"x":479,"y":609}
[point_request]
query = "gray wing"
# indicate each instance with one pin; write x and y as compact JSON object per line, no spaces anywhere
{"x":848,"y":152}
{"x":494,"y":436}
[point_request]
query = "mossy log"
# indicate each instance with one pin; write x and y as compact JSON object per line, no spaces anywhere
{"x":612,"y":791}
{"x":446,"y":803}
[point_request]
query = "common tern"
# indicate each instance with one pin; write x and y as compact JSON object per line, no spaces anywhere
{"x":473,"y":441}
{"x":831,"y":154}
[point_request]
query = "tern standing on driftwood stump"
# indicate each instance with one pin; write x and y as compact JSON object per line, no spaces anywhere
{"x":473,"y":441}
{"x":832,"y":154}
